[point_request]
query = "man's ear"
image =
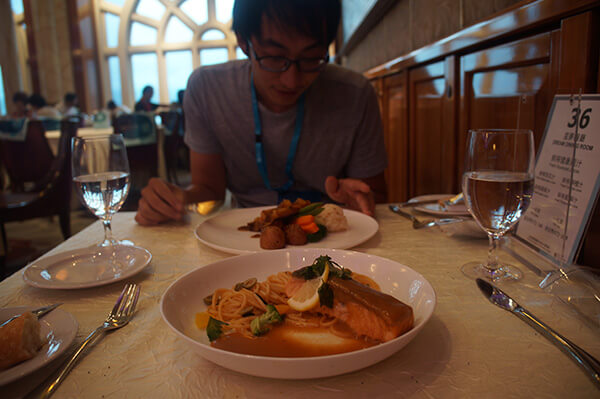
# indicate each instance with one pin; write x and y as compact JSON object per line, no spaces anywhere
{"x":243,"y":44}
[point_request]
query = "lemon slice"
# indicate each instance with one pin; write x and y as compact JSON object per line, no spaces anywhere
{"x":307,"y":297}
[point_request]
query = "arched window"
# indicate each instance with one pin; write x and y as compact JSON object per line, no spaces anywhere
{"x":159,"y":43}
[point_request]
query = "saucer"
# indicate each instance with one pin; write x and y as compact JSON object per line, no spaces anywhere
{"x":436,"y":209}
{"x":87,"y":267}
{"x":59,"y":329}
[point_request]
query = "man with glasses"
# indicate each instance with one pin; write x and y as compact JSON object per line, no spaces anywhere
{"x":283,"y":124}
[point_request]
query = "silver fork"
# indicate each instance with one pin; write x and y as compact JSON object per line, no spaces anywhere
{"x":120,"y":315}
{"x":417,"y":224}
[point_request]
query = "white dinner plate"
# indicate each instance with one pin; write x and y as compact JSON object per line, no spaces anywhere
{"x":437,"y":210}
{"x":87,"y":267}
{"x":59,"y":328}
{"x":221,"y":232}
{"x":184,"y":298}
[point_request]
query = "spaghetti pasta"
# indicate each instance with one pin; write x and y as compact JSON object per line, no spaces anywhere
{"x":237,"y":308}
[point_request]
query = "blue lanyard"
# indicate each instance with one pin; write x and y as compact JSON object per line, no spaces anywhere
{"x":259,"y":150}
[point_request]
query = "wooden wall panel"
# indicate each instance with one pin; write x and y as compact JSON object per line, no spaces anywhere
{"x":501,"y":74}
{"x":432,"y":165}
{"x":394,"y":107}
{"x":506,"y":87}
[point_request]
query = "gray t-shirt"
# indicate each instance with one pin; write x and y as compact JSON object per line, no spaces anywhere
{"x":341,"y":133}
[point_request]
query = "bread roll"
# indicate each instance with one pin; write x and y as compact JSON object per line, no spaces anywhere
{"x":19,"y":340}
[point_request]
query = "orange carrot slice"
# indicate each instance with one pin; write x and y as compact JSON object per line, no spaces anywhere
{"x":306,"y":219}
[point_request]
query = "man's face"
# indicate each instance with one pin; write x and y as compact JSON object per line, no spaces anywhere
{"x":280,"y":91}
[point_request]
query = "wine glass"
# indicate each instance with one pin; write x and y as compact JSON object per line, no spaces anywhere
{"x":497,"y":185}
{"x":101,"y":176}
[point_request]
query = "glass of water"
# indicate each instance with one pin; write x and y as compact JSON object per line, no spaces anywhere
{"x":101,"y":175}
{"x":497,"y":185}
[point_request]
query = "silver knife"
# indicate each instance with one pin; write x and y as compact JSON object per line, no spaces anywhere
{"x":417,"y":203}
{"x":37,"y":312}
{"x":417,"y":224}
{"x":583,"y":359}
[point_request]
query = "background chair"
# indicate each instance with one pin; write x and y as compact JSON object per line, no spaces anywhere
{"x":139,"y":132}
{"x":27,"y":159}
{"x":50,"y":191}
{"x":175,"y":151}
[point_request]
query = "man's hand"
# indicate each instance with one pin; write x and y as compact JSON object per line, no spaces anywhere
{"x":160,"y":202}
{"x":353,"y":193}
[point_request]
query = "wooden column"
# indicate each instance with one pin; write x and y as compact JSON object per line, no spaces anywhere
{"x":9,"y":60}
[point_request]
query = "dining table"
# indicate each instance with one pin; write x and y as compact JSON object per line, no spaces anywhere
{"x":469,"y":348}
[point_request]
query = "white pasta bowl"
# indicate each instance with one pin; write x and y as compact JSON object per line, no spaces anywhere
{"x":184,"y":298}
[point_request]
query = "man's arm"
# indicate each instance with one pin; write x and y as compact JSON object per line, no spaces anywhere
{"x":208,"y":178}
{"x":162,"y":201}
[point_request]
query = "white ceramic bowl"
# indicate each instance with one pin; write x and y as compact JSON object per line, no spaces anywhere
{"x":183,"y":299}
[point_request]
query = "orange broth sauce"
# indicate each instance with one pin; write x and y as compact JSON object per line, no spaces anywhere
{"x":288,"y":340}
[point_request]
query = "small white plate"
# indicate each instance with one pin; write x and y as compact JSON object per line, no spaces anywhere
{"x":436,"y":209}
{"x":221,"y":232}
{"x":87,"y":267}
{"x":184,"y":298}
{"x":59,"y":328}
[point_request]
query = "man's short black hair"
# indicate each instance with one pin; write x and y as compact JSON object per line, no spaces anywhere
{"x":111,"y":105}
{"x":147,"y":88}
{"x":318,"y":19}
{"x":70,"y":97}
{"x":20,"y":97}
{"x":37,"y":101}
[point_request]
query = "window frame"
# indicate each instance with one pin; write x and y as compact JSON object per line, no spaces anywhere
{"x":124,"y":50}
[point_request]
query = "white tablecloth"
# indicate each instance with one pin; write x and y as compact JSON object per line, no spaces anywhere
{"x":468,"y":349}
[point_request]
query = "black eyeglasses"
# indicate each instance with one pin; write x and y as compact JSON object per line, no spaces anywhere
{"x":282,"y":64}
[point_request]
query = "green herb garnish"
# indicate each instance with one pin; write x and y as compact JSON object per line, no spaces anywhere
{"x":261,"y":324}
{"x":319,"y":235}
{"x":326,"y":295}
{"x":214,"y":328}
{"x":318,"y":267}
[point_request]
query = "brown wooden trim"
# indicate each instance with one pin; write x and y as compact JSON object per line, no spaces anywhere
{"x":579,"y":55}
{"x":31,"y":48}
{"x":528,"y":17}
{"x":451,"y":141}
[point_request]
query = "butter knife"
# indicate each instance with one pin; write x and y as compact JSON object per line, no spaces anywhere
{"x":37,"y":312}
{"x":583,"y":359}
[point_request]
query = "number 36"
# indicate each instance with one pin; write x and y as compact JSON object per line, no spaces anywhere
{"x":585,"y":118}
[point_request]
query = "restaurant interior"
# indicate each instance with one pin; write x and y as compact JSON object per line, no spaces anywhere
{"x":440,"y":69}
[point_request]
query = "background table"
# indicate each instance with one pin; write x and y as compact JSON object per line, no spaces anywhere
{"x":469,"y":348}
{"x":53,"y":135}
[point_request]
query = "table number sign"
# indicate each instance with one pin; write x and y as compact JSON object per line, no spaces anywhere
{"x":567,"y":178}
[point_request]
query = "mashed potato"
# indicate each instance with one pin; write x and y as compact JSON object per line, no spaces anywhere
{"x":333,"y":218}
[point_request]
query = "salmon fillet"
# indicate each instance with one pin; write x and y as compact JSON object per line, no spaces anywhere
{"x":367,"y":312}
